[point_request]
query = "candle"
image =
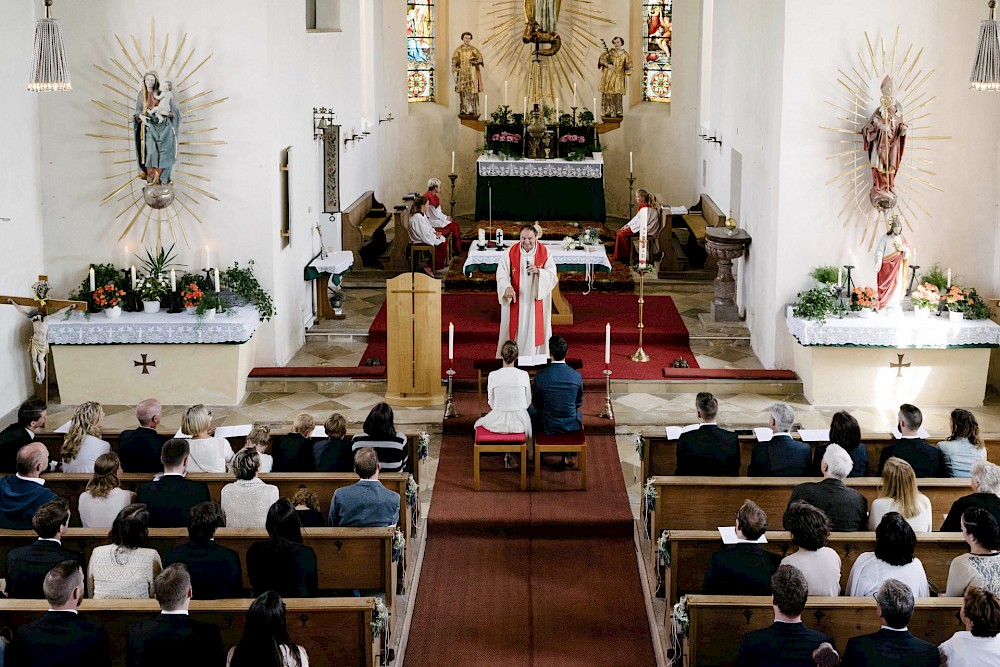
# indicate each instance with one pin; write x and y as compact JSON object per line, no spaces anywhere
{"x":215,"y":276}
{"x":526,"y":108}
{"x":595,"y":106}
{"x":505,"y":93}
{"x":92,"y":278}
{"x":607,"y":344}
{"x":630,"y":163}
{"x":132,"y":271}
{"x":206,"y":258}
{"x":840,"y":276}
{"x":482,"y":236}
{"x":557,"y":111}
{"x":574,"y":93}
{"x":643,"y":240}
{"x":451,"y":341}
{"x":949,"y":278}
{"x":486,"y":103}
{"x":173,"y":280}
{"x":453,"y":162}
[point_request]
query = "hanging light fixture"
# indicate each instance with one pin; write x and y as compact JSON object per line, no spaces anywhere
{"x":986,"y":70}
{"x":49,"y":71}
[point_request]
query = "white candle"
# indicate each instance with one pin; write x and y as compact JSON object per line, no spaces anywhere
{"x":525,"y":108}
{"x":557,"y":111}
{"x":132,"y":271}
{"x":595,"y":107}
{"x":215,"y":276}
{"x":505,"y":93}
{"x":630,"y":163}
{"x":949,"y":278}
{"x":173,"y":280}
{"x":643,"y":240}
{"x":486,"y":104}
{"x":92,"y":279}
{"x":125,"y":257}
{"x":840,"y":276}
{"x":482,"y":235}
{"x":574,"y":93}
{"x":453,"y":162}
{"x":451,"y":341}
{"x":206,"y":258}
{"x":607,"y":344}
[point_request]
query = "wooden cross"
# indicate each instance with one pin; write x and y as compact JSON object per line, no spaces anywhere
{"x":145,"y":364}
{"x":900,"y":365}
{"x":50,"y":304}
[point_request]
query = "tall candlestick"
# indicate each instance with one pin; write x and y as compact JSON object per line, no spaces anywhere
{"x":949,"y":279}
{"x":505,"y":93}
{"x":486,"y":104}
{"x":643,"y":240}
{"x":451,"y":341}
{"x":92,"y":280}
{"x":607,"y":344}
{"x":215,"y":275}
{"x":840,"y":276}
{"x":173,"y":280}
{"x":630,"y":171}
{"x":453,"y":162}
{"x":132,"y":271}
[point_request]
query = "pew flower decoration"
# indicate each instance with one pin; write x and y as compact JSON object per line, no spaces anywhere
{"x":108,"y":296}
{"x":398,"y":542}
{"x":663,"y":548}
{"x":925,"y":296}
{"x":411,"y":492}
{"x":380,"y":617}
{"x":863,"y":297}
{"x":423,"y":445}
{"x":640,"y":444}
{"x":650,"y":493}
{"x":681,"y":622}
{"x":41,"y":289}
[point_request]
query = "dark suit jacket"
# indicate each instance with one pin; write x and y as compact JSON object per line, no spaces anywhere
{"x":310,"y":518}
{"x":925,"y":459}
{"x":859,"y":455}
{"x":19,"y":498}
{"x":781,"y":456}
{"x":890,"y":648}
{"x":335,"y":455}
{"x":780,"y":645}
{"x":59,"y":639}
{"x":27,"y":567}
{"x":710,"y":451}
{"x":168,"y":640}
{"x":987,"y":501}
{"x":290,"y":572}
{"x":170,"y":498}
{"x":12,"y":439}
{"x":365,"y":504}
{"x":741,"y":569}
{"x":293,"y":453}
{"x":846,"y":507}
{"x":557,"y":399}
{"x":139,"y":450}
{"x":216,"y":571}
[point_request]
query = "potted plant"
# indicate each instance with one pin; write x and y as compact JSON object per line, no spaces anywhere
{"x":104,"y":274}
{"x":207,"y":306}
{"x":815,"y":304}
{"x":825,"y":275}
{"x":573,"y":146}
{"x":192,"y":296}
{"x":507,"y":144}
{"x":976,"y":307}
{"x":863,"y":301}
{"x":956,"y":299}
{"x":936,"y":276}
{"x":109,"y":298}
{"x":586,"y":117}
{"x":151,"y":289}
{"x":925,"y":298}
{"x":241,"y":282}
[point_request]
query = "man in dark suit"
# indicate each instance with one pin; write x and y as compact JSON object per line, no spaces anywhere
{"x":294,"y":452}
{"x":171,"y":497}
{"x":708,"y":450}
{"x":846,"y":507}
{"x":27,"y":566}
{"x":61,"y":636}
{"x":744,"y":568}
{"x":367,"y":503}
{"x":216,"y":572}
{"x":139,"y":449}
{"x":893,"y":645}
{"x":925,"y":459}
{"x":172,"y":638}
{"x":985,"y":483}
{"x":781,"y":456}
{"x":788,"y":642}
{"x":557,"y":399}
{"x":30,"y":418}
{"x":22,"y":494}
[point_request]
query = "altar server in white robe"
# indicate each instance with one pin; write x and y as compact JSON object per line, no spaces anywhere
{"x":649,"y":212}
{"x":421,"y":231}
{"x":526,"y":277}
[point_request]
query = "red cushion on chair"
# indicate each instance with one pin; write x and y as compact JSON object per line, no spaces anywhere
{"x":489,"y":437}
{"x":575,"y":438}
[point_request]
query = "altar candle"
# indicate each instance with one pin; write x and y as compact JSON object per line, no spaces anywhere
{"x":453,"y":162}
{"x":557,"y":111}
{"x":215,"y":276}
{"x":125,"y":257}
{"x":607,"y":344}
{"x":574,"y":93}
{"x":630,"y":163}
{"x":482,"y":236}
{"x":525,"y":108}
{"x":206,"y":258}
{"x":451,"y":341}
{"x":132,"y":271}
{"x":643,"y":241}
{"x":595,"y":106}
{"x":949,"y":279}
{"x":173,"y":280}
{"x":92,"y":279}
{"x":840,"y":276}
{"x":505,"y":93}
{"x":486,"y":104}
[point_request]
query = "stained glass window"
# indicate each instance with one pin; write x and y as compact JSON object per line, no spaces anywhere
{"x":420,"y":50}
{"x":657,"y":69}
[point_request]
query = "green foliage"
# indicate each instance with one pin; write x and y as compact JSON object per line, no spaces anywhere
{"x":208,"y":302}
{"x":199,"y":279}
{"x":152,"y":288}
{"x":502,"y":115}
{"x":565,"y":120}
{"x":816,"y":304}
{"x":103,"y":274}
{"x":586,"y":117}
{"x":159,"y":263}
{"x":242,"y":281}
{"x":978,"y":309}
{"x":937,"y":277}
{"x":579,"y":153}
{"x":824,"y":274}
{"x":547,"y":113}
{"x":517,"y":118}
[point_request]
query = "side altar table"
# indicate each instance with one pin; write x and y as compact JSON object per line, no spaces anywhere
{"x":178,"y":358}
{"x":885,"y":361}
{"x":530,"y":190}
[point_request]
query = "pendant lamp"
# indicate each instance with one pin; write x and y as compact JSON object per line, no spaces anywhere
{"x":49,"y":71}
{"x":986,"y":70}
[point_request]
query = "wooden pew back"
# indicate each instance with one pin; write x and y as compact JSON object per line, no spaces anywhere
{"x":359,"y":222}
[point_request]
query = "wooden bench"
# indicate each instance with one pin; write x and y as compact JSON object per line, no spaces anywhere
{"x":333,"y":631}
{"x":718,"y":622}
{"x":360,"y":223}
{"x":678,"y":258}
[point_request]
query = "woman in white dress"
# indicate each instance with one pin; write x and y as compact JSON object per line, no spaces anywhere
{"x":246,"y":501}
{"x":83,"y":442}
{"x":265,"y":641}
{"x":818,"y":563}
{"x":125,"y":569}
{"x":893,"y":558}
{"x":422,"y":231}
{"x":509,"y":395}
{"x":899,"y":493}
{"x":104,"y":497}
{"x":208,"y":453}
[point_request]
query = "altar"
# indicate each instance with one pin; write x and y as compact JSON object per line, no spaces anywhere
{"x":178,"y":358}
{"x":886,"y":361}
{"x":532,"y":190}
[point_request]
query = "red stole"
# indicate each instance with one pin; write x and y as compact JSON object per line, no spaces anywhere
{"x":541,"y":256}
{"x":433,"y":199}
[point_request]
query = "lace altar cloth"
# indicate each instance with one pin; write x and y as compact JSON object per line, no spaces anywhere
{"x":236,"y":325}
{"x":904,"y":331}
{"x":488,"y":165}
{"x":592,"y":258}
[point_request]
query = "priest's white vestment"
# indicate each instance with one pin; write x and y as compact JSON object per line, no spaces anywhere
{"x":528,"y":319}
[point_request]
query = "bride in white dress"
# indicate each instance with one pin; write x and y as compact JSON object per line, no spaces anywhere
{"x":509,"y":395}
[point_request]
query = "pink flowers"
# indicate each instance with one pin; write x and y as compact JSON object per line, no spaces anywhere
{"x":925,"y":296}
{"x":507,"y":137}
{"x":572,"y":138}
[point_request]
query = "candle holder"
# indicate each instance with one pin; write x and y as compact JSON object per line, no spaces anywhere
{"x":222,"y":306}
{"x":913,"y":277}
{"x":608,"y":412}
{"x":631,"y":196}
{"x":640,"y":355}
{"x":453,"y":178}
{"x":449,"y":405}
{"x":574,"y":116}
{"x":175,"y":302}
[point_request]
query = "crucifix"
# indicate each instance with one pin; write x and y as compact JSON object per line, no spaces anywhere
{"x":899,"y":366}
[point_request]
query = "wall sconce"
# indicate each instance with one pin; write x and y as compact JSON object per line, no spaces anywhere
{"x":49,"y":70}
{"x":986,"y":69}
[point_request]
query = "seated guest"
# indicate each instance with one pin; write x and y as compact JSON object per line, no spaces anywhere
{"x":307,"y":507}
{"x":283,"y":564}
{"x":893,"y":645}
{"x":206,"y":452}
{"x":788,"y":642}
{"x":30,"y":418}
{"x":846,"y":507}
{"x":23,"y":493}
{"x":265,"y":641}
{"x":366,"y":503}
{"x":781,"y":456}
{"x":981,"y":566}
{"x":27,"y":566}
{"x":381,"y":435}
{"x":423,"y":232}
{"x":899,"y":493}
{"x":509,"y":395}
{"x":437,"y":217}
{"x":844,"y":431}
{"x":125,"y":568}
{"x":171,"y":497}
{"x":965,"y":446}
{"x":104,"y":497}
{"x":83,"y":442}
{"x":708,"y":450}
{"x":979,"y":643}
{"x":925,"y":459}
{"x":557,"y":398}
{"x":333,"y":454}
{"x":247,"y":500}
{"x":61,"y":637}
{"x":139,"y":448}
{"x":172,"y":637}
{"x":293,"y":452}
{"x":649,"y":210}
{"x":746,"y":567}
{"x":985,"y":483}
{"x":818,"y":563}
{"x":216,"y":571}
{"x":893,"y":558}
{"x":260,"y":439}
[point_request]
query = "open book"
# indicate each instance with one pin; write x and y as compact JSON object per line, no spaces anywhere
{"x":239,"y":430}
{"x":728,"y":534}
{"x":674,"y":432}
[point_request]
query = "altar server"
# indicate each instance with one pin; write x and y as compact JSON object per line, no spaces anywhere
{"x":526,"y":277}
{"x":437,"y":217}
{"x":421,"y":231}
{"x":649,"y":212}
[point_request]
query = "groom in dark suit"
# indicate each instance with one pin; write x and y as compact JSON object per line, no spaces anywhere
{"x":171,"y":497}
{"x":926,"y":459}
{"x":893,"y":645}
{"x":557,"y":399}
{"x":708,"y":450}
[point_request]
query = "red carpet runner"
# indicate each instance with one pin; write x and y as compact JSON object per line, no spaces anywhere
{"x":514,"y":579}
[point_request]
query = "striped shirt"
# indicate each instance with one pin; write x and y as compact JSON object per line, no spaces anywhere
{"x":392,"y":453}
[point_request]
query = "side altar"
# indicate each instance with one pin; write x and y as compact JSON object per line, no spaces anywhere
{"x":180,"y":359}
{"x":885,"y":361}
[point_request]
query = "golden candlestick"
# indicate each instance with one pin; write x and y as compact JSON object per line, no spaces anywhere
{"x":640,"y":354}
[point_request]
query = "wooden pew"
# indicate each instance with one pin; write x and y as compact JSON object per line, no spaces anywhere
{"x":718,"y":622}
{"x":360,"y":222}
{"x":691,"y":550}
{"x":677,"y":258}
{"x":333,"y":631}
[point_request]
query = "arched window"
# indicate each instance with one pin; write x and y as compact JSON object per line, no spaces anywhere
{"x":657,"y":69}
{"x":420,"y":82}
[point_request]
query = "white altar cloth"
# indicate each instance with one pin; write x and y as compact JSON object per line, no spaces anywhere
{"x":334,"y":263}
{"x":491,"y":165}
{"x":236,"y":325}
{"x":590,"y":259}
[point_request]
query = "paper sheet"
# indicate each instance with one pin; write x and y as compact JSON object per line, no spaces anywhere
{"x":318,"y":432}
{"x":63,"y":429}
{"x":921,"y":432}
{"x":674,"y":432}
{"x":238,"y":430}
{"x":814,"y":434}
{"x":763,"y":433}
{"x":728,"y":534}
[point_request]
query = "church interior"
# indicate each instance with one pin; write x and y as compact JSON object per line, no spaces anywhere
{"x":319,"y":207}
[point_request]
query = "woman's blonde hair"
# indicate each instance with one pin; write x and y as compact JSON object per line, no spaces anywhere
{"x":105,"y":476}
{"x":899,"y":482}
{"x":246,"y":463}
{"x":259,"y":438}
{"x":84,"y":422}
{"x":304,"y":422}
{"x":197,"y":419}
{"x":306,"y":497}
{"x":648,"y":198}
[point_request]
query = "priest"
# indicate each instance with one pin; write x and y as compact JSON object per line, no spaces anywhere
{"x":526,"y":277}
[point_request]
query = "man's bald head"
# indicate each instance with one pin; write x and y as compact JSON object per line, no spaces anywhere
{"x":148,"y":412}
{"x":32,"y":459}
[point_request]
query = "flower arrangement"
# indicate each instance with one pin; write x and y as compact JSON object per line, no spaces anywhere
{"x":209,"y":301}
{"x":863,"y":297}
{"x":681,"y":618}
{"x":590,"y":237}
{"x":925,"y":296}
{"x":957,"y":299}
{"x":640,"y":444}
{"x":398,"y":542}
{"x":41,"y":289}
{"x":411,"y":492}
{"x":423,"y":445}
{"x":507,"y":137}
{"x":108,"y":296}
{"x":816,"y":304}
{"x":380,"y":618}
{"x":192,"y":295}
{"x":572,"y":139}
{"x":152,"y":288}
{"x":568,"y":243}
{"x":663,"y":548}
{"x":650,"y":493}
{"x":976,"y":307}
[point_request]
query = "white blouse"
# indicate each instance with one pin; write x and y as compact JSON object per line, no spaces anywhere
{"x":652,"y":222}
{"x":921,"y":523}
{"x":869,"y":573}
{"x":90,"y":449}
{"x":101,"y":512}
{"x":209,"y":455}
{"x":821,"y":568}
{"x":421,"y":230}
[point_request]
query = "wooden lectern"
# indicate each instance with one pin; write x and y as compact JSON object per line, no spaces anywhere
{"x":413,"y":306}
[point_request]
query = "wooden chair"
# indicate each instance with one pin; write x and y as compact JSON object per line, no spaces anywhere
{"x":488,"y":442}
{"x":564,"y":443}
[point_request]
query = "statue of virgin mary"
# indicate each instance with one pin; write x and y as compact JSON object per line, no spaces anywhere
{"x":543,"y":12}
